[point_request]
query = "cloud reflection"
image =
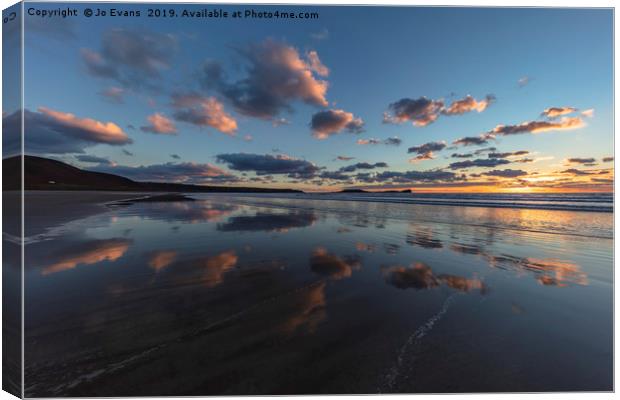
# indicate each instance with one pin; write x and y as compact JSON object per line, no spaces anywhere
{"x":88,"y":253}
{"x":161,"y":259}
{"x":268,"y":222}
{"x":333,"y":266}
{"x":420,"y":276}
{"x":548,"y":271}
{"x":311,"y":310}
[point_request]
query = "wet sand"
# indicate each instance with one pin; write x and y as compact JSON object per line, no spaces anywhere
{"x":249,"y":295}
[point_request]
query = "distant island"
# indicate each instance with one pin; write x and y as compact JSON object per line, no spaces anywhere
{"x":366,"y":191}
{"x":46,"y":174}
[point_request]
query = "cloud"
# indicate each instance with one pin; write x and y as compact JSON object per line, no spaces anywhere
{"x":409,"y":176}
{"x":203,"y":111}
{"x":265,"y":164}
{"x":462,"y":155}
{"x":320,"y":35}
{"x":578,"y":172}
{"x":566,"y":123}
{"x":584,"y":161}
{"x":422,"y":157}
{"x":268,"y":222}
{"x":315,"y":64}
{"x":114,"y":94}
{"x":332,"y":266}
{"x":363,"y":165}
{"x":131,"y":57}
{"x":335,"y":176}
{"x":468,"y":104}
{"x":427,"y":147}
{"x":508,"y":154}
{"x":344,"y":158}
{"x":159,"y":123}
{"x":87,"y":253}
{"x":588,"y":113}
{"x":421,"y":111}
{"x":554,"y":112}
{"x":175,"y":156}
{"x":480,"y":162}
{"x":419,"y":276}
{"x":330,"y":122}
{"x":391,"y":141}
{"x":189,"y":173}
{"x":92,"y":159}
{"x":505,"y":173}
{"x":474,"y":140}
{"x":127,"y":153}
{"x":56,"y":132}
{"x":276,"y":76}
{"x":524,"y":81}
{"x":608,"y":159}
{"x":61,"y":29}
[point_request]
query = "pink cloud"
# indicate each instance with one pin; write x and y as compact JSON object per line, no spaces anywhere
{"x":88,"y":128}
{"x":159,"y":123}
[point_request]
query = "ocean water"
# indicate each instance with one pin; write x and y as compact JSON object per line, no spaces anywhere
{"x":307,"y":294}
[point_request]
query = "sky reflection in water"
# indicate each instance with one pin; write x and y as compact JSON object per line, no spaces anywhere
{"x":219,"y":296}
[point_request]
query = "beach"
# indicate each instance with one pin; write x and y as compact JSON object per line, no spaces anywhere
{"x":315,"y":294}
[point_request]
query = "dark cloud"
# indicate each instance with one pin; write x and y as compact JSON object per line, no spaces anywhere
{"x":92,"y":159}
{"x":508,"y":154}
{"x":421,"y":111}
{"x":474,"y":140}
{"x":190,"y":173}
{"x":409,"y":176}
{"x":578,"y":172}
{"x":55,"y":132}
{"x":264,"y":164}
{"x":608,"y":159}
{"x":363,"y":165}
{"x":393,"y":141}
{"x":479,"y":162}
{"x":565,"y":123}
{"x":131,"y":57}
{"x":427,"y":147}
{"x":275,"y":76}
{"x":335,"y":176}
{"x":462,"y":155}
{"x":505,"y":173}
{"x":127,"y":153}
{"x":344,"y":158}
{"x":330,"y":122}
{"x":583,"y":161}
{"x":175,"y":156}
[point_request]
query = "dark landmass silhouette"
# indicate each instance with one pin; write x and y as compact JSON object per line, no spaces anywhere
{"x":45,"y":174}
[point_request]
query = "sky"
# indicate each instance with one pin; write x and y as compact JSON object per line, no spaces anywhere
{"x":428,"y":99}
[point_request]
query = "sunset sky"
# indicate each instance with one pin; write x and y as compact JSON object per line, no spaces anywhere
{"x":444,"y":99}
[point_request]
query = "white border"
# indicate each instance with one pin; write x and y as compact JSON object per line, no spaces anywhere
{"x":480,"y":3}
